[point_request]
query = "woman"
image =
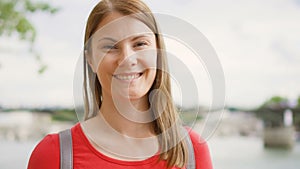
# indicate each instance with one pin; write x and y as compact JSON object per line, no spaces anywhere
{"x":130,"y":119}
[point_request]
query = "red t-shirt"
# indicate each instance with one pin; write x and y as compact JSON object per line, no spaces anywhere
{"x":85,"y":156}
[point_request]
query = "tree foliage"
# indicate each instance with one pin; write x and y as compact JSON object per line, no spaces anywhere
{"x":14,"y":20}
{"x":276,"y":102}
{"x":272,"y":111}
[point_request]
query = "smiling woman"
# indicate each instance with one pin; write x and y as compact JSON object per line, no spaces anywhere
{"x":130,"y":119}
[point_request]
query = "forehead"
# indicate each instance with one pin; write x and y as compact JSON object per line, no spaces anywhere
{"x":120,"y":27}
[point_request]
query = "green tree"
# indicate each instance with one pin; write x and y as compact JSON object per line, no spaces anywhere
{"x":275,"y":101}
{"x":14,"y":20}
{"x":271,"y":111}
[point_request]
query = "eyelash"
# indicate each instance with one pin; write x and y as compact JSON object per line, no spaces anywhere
{"x":143,"y":43}
{"x":109,"y":47}
{"x":139,"y":44}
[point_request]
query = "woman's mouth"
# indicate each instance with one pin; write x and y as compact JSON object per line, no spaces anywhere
{"x":128,"y":76}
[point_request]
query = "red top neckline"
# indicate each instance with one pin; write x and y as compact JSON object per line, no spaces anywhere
{"x":110,"y":159}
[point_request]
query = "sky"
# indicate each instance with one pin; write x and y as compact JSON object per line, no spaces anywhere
{"x":257,"y":43}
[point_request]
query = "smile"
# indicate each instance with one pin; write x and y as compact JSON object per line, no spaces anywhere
{"x":128,"y":76}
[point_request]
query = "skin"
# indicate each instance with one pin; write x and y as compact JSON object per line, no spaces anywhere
{"x":124,"y":58}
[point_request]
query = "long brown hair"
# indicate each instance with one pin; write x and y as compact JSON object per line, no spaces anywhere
{"x":167,"y":123}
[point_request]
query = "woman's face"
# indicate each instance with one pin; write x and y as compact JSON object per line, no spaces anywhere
{"x":124,"y":56}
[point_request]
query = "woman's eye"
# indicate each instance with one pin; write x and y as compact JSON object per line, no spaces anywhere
{"x":141,"y":44}
{"x":109,"y":48}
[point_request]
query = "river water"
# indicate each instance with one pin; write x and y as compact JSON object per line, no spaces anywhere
{"x":249,"y":153}
{"x":227,"y":153}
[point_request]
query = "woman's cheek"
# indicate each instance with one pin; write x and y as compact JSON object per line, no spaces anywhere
{"x":148,"y":58}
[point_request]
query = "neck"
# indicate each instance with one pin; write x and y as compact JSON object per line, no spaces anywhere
{"x":128,"y":117}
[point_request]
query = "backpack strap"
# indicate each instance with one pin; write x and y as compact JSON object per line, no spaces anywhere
{"x":191,"y":163}
{"x":66,"y":149}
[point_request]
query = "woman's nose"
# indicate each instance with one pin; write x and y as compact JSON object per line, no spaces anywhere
{"x":127,"y":57}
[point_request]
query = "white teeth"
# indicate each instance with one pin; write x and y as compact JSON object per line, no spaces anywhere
{"x":127,"y":77}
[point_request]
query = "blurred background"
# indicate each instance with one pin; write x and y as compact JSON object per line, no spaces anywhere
{"x":258,"y":45}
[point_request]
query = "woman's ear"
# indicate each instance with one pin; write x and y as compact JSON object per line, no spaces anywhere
{"x":89,"y":59}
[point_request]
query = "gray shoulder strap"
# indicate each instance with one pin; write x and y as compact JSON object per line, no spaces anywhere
{"x":66,"y":149}
{"x":191,"y":164}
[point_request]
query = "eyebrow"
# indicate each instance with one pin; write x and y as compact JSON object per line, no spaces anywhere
{"x":107,"y":38}
{"x":133,"y":39}
{"x":141,"y":36}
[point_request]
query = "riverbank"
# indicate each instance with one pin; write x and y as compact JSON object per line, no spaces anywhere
{"x":26,"y":126}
